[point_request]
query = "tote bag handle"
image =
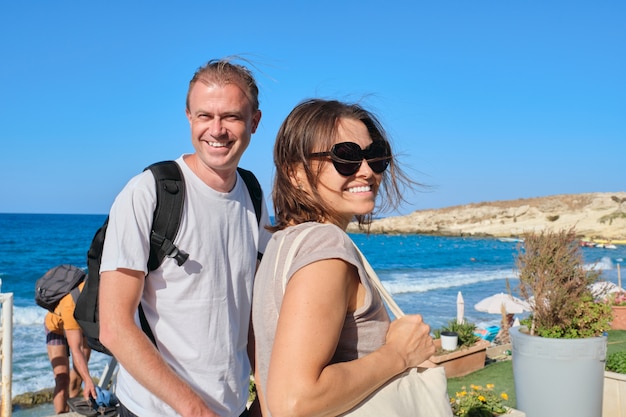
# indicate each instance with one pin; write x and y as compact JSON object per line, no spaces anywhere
{"x":290,"y":255}
{"x":391,"y":303}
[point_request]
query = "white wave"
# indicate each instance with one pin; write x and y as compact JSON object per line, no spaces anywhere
{"x":428,"y":281}
{"x":31,"y":368}
{"x":604,"y":264}
{"x":28,"y":316}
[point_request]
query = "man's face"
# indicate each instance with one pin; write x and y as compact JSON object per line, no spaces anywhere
{"x":222,"y":122}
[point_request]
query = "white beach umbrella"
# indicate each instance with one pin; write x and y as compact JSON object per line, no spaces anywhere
{"x":493,"y":304}
{"x":460,"y":308}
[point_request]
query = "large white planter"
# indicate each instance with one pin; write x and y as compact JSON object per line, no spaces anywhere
{"x":614,"y":403}
{"x":558,"y":377}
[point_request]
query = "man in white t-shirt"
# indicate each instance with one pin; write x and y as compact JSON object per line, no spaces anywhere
{"x":199,"y":312}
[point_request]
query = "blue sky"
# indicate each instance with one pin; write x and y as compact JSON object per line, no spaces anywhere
{"x":486,"y":100}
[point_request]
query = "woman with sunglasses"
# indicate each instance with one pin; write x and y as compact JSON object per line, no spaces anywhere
{"x":324,"y":341}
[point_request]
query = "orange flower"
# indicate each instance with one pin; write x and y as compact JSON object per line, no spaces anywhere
{"x":468,"y":402}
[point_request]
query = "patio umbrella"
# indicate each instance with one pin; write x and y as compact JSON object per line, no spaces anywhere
{"x":460,"y":308}
{"x":493,"y":304}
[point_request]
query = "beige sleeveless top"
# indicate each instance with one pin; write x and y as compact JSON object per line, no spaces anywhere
{"x":363,"y":331}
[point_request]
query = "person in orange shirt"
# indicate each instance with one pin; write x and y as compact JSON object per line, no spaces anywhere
{"x":64,"y":337}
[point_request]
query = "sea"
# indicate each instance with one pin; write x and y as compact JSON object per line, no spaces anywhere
{"x":424,"y":273}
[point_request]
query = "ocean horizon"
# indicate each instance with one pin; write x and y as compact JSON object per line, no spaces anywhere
{"x":424,"y":273}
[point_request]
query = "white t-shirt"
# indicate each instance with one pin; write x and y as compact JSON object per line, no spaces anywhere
{"x":198,"y":312}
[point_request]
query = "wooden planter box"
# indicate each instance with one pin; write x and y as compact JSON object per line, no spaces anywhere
{"x":462,"y":361}
{"x":614,"y":400}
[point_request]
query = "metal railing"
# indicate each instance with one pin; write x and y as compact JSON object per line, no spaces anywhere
{"x":6,"y":343}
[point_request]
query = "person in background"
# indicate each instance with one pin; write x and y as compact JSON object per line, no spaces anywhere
{"x":199,"y":312}
{"x":324,"y":340}
{"x":508,"y":321}
{"x":64,"y":339}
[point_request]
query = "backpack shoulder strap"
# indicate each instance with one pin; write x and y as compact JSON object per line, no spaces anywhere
{"x":256,"y":194}
{"x":254,"y":189}
{"x":170,"y":195}
{"x":170,"y":189}
{"x":75,"y":293}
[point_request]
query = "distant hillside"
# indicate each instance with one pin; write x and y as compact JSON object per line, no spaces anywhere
{"x":593,"y":215}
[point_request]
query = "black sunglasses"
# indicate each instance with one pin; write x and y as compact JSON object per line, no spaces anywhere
{"x":347,"y":157}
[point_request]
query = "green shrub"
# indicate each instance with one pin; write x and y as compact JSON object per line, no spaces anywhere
{"x":610,"y":217}
{"x":591,"y":319}
{"x":616,"y":362}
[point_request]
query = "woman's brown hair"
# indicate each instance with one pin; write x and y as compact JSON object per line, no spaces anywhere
{"x":312,"y":127}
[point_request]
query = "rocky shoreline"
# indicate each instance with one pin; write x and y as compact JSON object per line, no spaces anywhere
{"x":594,"y":216}
{"x":32,"y":399}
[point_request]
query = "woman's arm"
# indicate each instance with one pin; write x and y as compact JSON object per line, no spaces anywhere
{"x":301,"y":382}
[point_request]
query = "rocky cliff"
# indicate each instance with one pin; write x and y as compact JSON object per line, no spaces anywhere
{"x":593,"y":215}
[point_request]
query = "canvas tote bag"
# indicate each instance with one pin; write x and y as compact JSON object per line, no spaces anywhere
{"x":418,"y":392}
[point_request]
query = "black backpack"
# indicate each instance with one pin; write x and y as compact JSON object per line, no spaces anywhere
{"x":56,"y":284}
{"x":170,"y":187}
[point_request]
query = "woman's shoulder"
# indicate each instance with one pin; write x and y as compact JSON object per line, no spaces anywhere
{"x":319,"y":241}
{"x":318,"y":228}
{"x":320,"y":232}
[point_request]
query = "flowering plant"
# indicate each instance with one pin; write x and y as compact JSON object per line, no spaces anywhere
{"x":618,"y":298}
{"x":478,"y":401}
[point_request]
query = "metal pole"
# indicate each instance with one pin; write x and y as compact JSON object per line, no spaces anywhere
{"x":107,"y":373}
{"x":7,"y":353}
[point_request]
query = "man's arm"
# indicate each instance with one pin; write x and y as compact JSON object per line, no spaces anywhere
{"x":75,"y":343}
{"x":120,"y":294}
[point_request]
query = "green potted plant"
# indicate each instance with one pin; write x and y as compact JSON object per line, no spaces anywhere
{"x":465,"y":332}
{"x":560,"y":353}
{"x":614,"y":403}
{"x":469,"y":356}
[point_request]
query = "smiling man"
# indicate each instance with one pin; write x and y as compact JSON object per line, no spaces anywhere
{"x":199,"y":313}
